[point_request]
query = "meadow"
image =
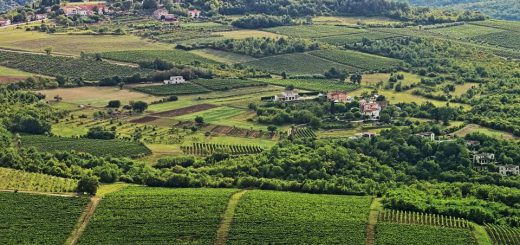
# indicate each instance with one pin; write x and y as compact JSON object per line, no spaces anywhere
{"x":115,"y":148}
{"x":323,"y":85}
{"x":11,"y":179}
{"x":269,"y":217}
{"x":222,"y":56}
{"x":298,"y":63}
{"x":24,"y":222}
{"x":472,"y":128}
{"x":174,"y":56}
{"x":53,"y":66}
{"x":11,"y":75}
{"x":141,"y":215}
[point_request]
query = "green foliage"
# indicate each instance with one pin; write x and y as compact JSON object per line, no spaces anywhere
{"x":38,"y":219}
{"x":203,"y":149}
{"x":88,"y":184}
{"x":173,"y":56}
{"x":100,"y":133}
{"x":178,"y":216}
{"x":396,"y":234}
{"x":267,"y":217}
{"x":227,"y":84}
{"x":261,"y":47}
{"x":261,"y":21}
{"x":67,"y":67}
{"x":173,"y":89}
{"x":11,"y":179}
{"x":360,"y":60}
{"x":314,"y":31}
{"x":98,"y":147}
{"x":503,"y":234}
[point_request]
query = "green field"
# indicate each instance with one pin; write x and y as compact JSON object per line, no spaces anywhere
{"x":357,"y":59}
{"x":222,"y":56}
{"x":465,"y":31}
{"x":356,"y":37}
{"x":115,"y":148}
{"x":227,"y":84}
{"x":38,"y":219}
{"x":506,"y":39}
{"x":269,"y":217}
{"x":313,"y":31}
{"x":214,"y":115}
{"x":140,"y":215}
{"x":398,"y":234}
{"x":11,"y":179}
{"x":313,"y":84}
{"x":297,"y":63}
{"x":174,"y":56}
{"x":172,"y":89}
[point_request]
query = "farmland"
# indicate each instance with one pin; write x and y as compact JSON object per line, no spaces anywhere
{"x":223,"y":56}
{"x":66,"y":66}
{"x":11,"y":179}
{"x":208,"y":149}
{"x":502,"y":235}
{"x":357,"y":59}
{"x":38,"y":219}
{"x":313,"y":31}
{"x":341,"y":40}
{"x":139,"y":215}
{"x":268,"y":217}
{"x":116,"y":148}
{"x":297,"y":63}
{"x":506,"y":39}
{"x":174,"y":56}
{"x":397,"y":234}
{"x":313,"y":84}
{"x":172,"y":89}
{"x":83,"y":96}
{"x":227,"y":84}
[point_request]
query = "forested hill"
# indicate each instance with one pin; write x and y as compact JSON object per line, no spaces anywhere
{"x":500,"y":9}
{"x":6,"y":5}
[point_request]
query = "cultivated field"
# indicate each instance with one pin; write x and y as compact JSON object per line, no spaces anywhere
{"x":357,"y":59}
{"x":174,"y":56}
{"x":313,"y":84}
{"x":85,"y":95}
{"x":11,"y":179}
{"x":398,"y":234}
{"x":222,"y":56}
{"x":172,"y":89}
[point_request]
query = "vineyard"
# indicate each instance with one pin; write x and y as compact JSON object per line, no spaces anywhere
{"x":227,"y":84}
{"x":296,"y":133}
{"x":323,"y":85}
{"x":503,"y":235}
{"x":11,"y":179}
{"x":174,"y":56}
{"x":398,"y":234}
{"x":297,"y":63}
{"x":270,"y":217}
{"x":115,"y":148}
{"x":314,"y":31}
{"x":506,"y":39}
{"x":203,"y":149}
{"x":355,"y":38}
{"x":38,"y":219}
{"x":65,"y":66}
{"x":173,"y":89}
{"x":406,"y":217}
{"x":357,"y":59}
{"x":141,"y":215}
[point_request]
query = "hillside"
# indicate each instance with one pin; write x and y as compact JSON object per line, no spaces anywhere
{"x":6,"y":5}
{"x":500,"y":9}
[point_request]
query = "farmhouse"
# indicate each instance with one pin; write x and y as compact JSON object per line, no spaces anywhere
{"x":483,"y":158}
{"x":175,"y":80}
{"x":370,"y":109}
{"x":508,"y":169}
{"x":289,"y":95}
{"x":5,"y":22}
{"x":40,"y":16}
{"x":338,"y":97}
{"x":194,"y":13}
{"x":86,"y":9}
{"x":163,"y":14}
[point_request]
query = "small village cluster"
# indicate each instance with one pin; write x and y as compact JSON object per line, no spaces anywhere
{"x":101,"y":8}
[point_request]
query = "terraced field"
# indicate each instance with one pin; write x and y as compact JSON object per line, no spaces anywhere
{"x":38,"y":219}
{"x":269,"y":217}
{"x":141,"y":215}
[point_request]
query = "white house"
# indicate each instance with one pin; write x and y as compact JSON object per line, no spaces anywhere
{"x":370,"y":109}
{"x":194,"y":13}
{"x":289,"y":95}
{"x":175,"y":80}
{"x":483,"y":158}
{"x":508,"y":169}
{"x":163,"y":14}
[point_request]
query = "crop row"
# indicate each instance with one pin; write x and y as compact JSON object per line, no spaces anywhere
{"x":49,"y":65}
{"x":226,"y":84}
{"x":207,"y":149}
{"x":174,"y":56}
{"x":173,"y":89}
{"x":38,"y":219}
{"x":322,"y":85}
{"x":11,"y":179}
{"x":356,"y":59}
{"x":502,"y":235}
{"x":142,"y":215}
{"x":395,"y":234}
{"x":301,"y":133}
{"x":407,"y":217}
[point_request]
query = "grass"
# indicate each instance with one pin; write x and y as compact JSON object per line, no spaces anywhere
{"x":243,"y":34}
{"x":115,"y":148}
{"x":270,"y":217}
{"x":297,"y":63}
{"x":471,"y":128}
{"x":464,"y":31}
{"x":340,"y":20}
{"x":396,"y":234}
{"x":174,"y":56}
{"x":461,"y":89}
{"x":141,"y":215}
{"x":72,"y":44}
{"x":313,"y":31}
{"x":38,"y":219}
{"x":6,"y":71}
{"x":222,"y":56}
{"x":11,"y":179}
{"x":341,"y":40}
{"x":227,"y":84}
{"x":312,"y":84}
{"x":214,"y":115}
{"x":342,"y":133}
{"x":96,"y":96}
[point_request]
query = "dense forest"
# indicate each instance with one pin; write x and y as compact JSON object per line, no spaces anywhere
{"x":501,"y":9}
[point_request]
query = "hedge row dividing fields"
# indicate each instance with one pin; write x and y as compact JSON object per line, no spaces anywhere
{"x":141,"y":215}
{"x":115,"y":148}
{"x":87,"y":69}
{"x":38,"y":219}
{"x":203,"y":149}
{"x":503,"y":235}
{"x":11,"y":179}
{"x":270,"y":217}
